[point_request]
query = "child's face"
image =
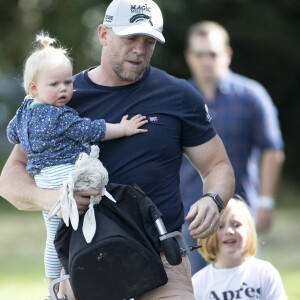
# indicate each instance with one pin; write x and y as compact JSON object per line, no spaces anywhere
{"x":54,"y":84}
{"x":232,"y":235}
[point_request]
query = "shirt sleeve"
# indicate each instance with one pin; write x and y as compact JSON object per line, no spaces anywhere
{"x":80,"y":129}
{"x":273,"y":285}
{"x":11,"y":132}
{"x":266,"y":127}
{"x":197,"y":127}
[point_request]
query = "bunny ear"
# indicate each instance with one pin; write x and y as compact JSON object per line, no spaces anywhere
{"x":95,"y":151}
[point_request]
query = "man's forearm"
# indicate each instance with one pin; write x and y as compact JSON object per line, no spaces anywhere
{"x":211,"y":161}
{"x":220,"y":180}
{"x":270,"y":171}
{"x":19,"y":188}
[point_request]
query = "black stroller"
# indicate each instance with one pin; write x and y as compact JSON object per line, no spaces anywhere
{"x":123,"y":259}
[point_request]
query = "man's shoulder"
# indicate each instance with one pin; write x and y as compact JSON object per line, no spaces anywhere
{"x":160,"y":74}
{"x":172,"y":85}
{"x":244,"y":84}
{"x":79,"y":76}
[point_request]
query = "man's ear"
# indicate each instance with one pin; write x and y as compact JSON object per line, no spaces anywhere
{"x":103,"y":34}
{"x":187,"y":56}
{"x":33,"y":89}
{"x":229,"y":52}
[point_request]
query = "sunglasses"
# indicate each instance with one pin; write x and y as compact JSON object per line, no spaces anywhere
{"x":200,"y":54}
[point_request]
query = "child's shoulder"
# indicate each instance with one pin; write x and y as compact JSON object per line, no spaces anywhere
{"x":55,"y":109}
{"x":51,"y":114}
{"x":203,"y":272}
{"x":261,"y":265}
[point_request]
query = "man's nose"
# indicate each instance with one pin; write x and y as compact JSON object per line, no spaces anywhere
{"x":140,"y":48}
{"x":140,"y":45}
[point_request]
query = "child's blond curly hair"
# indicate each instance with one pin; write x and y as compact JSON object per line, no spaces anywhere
{"x":44,"y":54}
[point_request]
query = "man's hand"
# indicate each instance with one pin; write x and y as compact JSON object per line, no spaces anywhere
{"x":212,"y":163}
{"x":263,"y":219}
{"x":206,"y":219}
{"x":82,"y":199}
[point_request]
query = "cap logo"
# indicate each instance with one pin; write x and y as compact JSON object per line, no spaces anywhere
{"x":108,"y":18}
{"x":140,"y":9}
{"x":139,"y":17}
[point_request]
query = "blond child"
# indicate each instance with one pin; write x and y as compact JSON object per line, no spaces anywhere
{"x":52,"y":133}
{"x":235,"y":272}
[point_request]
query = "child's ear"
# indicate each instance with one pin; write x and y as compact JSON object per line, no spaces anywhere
{"x":33,"y":89}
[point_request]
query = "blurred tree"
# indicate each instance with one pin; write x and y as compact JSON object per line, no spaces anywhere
{"x":264,"y":36}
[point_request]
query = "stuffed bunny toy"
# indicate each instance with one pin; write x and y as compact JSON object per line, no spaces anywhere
{"x":89,"y":172}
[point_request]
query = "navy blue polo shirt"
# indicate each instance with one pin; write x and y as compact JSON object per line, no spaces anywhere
{"x":176,"y":117}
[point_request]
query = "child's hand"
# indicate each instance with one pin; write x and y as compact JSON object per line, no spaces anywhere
{"x":125,"y":127}
{"x":133,"y":125}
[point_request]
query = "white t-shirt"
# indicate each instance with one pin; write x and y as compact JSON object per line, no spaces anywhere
{"x":253,"y":279}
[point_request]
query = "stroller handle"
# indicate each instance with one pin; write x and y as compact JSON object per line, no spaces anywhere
{"x":52,"y":288}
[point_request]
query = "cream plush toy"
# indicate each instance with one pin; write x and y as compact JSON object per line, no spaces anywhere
{"x":89,"y":173}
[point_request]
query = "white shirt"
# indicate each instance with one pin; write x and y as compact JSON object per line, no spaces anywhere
{"x":253,"y":279}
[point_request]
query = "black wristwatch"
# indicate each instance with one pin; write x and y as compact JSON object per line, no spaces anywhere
{"x":217,"y":199}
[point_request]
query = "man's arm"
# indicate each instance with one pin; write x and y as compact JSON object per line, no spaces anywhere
{"x":211,"y":161}
{"x":270,"y":171}
{"x":19,"y":188}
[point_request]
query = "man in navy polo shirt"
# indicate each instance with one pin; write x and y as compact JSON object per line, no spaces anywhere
{"x":246,"y":120}
{"x":178,"y":122}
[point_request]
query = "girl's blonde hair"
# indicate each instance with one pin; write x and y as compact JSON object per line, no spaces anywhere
{"x":210,"y":249}
{"x":43,"y":55}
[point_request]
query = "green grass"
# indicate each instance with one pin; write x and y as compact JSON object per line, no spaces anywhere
{"x":21,"y":256}
{"x":281,"y":246}
{"x":22,"y":245}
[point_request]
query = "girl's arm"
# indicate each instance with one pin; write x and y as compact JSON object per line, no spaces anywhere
{"x":11,"y":131}
{"x":125,"y":127}
{"x":87,"y":131}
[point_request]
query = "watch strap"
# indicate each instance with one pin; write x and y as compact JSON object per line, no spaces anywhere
{"x":217,"y":199}
{"x":266,"y":202}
